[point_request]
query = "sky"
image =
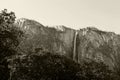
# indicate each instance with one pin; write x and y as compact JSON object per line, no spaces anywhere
{"x":102,"y":14}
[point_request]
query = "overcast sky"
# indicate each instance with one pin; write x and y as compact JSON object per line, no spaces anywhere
{"x":103,"y":14}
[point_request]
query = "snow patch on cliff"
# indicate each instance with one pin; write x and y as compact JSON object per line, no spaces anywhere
{"x":60,"y":28}
{"x":20,"y":22}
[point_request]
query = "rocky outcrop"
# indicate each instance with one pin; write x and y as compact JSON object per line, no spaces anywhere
{"x":76,"y":44}
{"x":98,"y":45}
{"x":57,"y":39}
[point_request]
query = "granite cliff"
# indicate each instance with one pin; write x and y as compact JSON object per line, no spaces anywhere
{"x":75,"y":44}
{"x":57,"y":39}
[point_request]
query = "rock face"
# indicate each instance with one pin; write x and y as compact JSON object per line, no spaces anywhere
{"x":57,"y":39}
{"x":98,"y":45}
{"x":76,"y":44}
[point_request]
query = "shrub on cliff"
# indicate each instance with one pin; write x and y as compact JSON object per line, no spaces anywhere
{"x":92,"y":70}
{"x":45,"y":66}
{"x":48,"y":66}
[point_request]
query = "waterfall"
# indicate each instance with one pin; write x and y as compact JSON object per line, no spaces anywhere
{"x":74,"y":47}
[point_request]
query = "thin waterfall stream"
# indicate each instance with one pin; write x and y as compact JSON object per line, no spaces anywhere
{"x":74,"y":46}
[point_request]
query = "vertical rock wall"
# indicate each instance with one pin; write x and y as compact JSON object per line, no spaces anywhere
{"x":59,"y":39}
{"x":76,"y":44}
